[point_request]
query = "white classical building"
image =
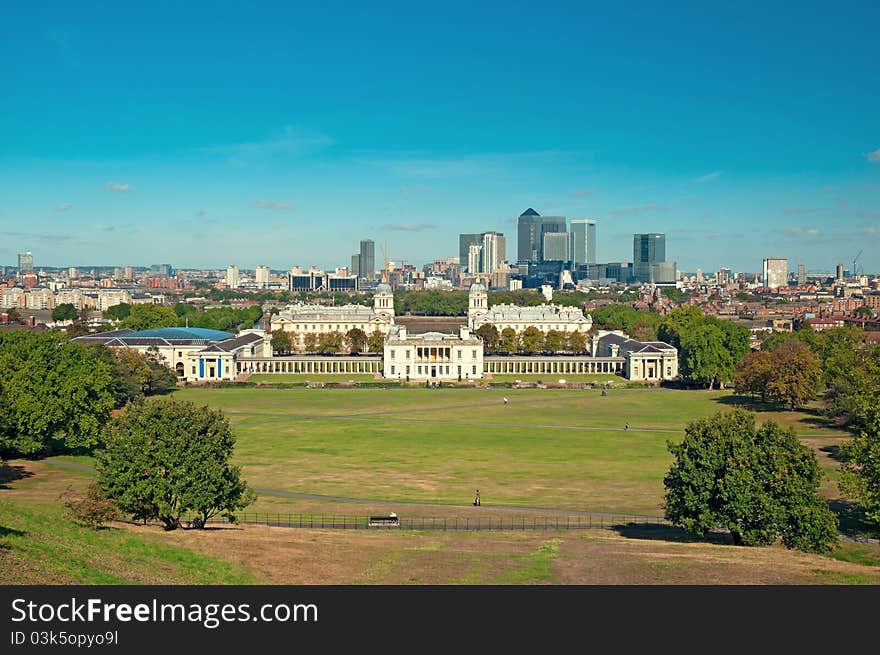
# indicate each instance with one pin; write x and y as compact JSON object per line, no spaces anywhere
{"x":195,"y":354}
{"x":651,"y":361}
{"x":300,"y":319}
{"x":432,"y":355}
{"x":542,"y":317}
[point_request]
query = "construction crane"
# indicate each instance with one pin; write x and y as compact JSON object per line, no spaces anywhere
{"x":855,"y":259}
{"x":386,"y":265}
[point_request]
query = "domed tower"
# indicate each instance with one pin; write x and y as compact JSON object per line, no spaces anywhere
{"x":478,"y":302}
{"x":383,"y":300}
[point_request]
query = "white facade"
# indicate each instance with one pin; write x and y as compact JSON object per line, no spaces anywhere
{"x":494,"y":252}
{"x":302,"y":319}
{"x":775,"y":273}
{"x":432,"y":356}
{"x":232,"y":277}
{"x":262,"y":275}
{"x":542,"y":317}
{"x":475,"y":258}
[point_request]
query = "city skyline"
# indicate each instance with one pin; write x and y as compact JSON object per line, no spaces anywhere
{"x":693,"y":123}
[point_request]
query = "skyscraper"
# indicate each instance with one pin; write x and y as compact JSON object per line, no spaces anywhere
{"x":648,"y":249}
{"x":368,"y":259}
{"x":261,"y":276}
{"x":775,"y":272}
{"x":494,"y":251}
{"x":475,"y":258}
{"x":25,"y":262}
{"x":555,"y":246}
{"x":839,"y":274}
{"x":528,"y":236}
{"x":232,"y":277}
{"x":582,"y":248}
{"x":802,"y":275}
{"x":356,"y":264}
{"x":465,"y":241}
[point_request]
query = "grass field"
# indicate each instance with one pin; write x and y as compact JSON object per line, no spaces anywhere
{"x":39,"y":545}
{"x":547,"y":448}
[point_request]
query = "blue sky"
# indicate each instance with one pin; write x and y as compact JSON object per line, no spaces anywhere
{"x":282,"y":133}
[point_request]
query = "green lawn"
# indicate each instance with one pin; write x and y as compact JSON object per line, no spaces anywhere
{"x":546,"y":447}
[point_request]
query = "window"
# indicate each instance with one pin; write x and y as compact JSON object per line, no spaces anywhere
{"x":459,"y":370}
{"x":407,"y":370}
{"x":473,"y":354}
{"x":475,"y":369}
{"x":407,"y":354}
{"x":392,"y":370}
{"x":180,"y":353}
{"x":194,"y":370}
{"x":447,"y":370}
{"x":392,"y":353}
{"x":420,"y":370}
{"x":459,"y":354}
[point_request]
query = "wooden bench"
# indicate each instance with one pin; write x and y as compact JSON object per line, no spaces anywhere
{"x":390,"y":521}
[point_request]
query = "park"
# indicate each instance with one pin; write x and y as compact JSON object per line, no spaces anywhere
{"x":421,"y":453}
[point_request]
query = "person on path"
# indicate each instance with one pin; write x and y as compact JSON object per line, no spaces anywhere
{"x":477,"y":499}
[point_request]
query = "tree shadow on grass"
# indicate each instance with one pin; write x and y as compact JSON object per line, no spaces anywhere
{"x":812,"y":415}
{"x":668,"y":533}
{"x":853,"y":522}
{"x":834,"y":453}
{"x":12,"y":474}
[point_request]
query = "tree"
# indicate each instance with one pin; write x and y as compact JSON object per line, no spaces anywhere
{"x":376,"y":342}
{"x":118,"y":312}
{"x":64,"y":312}
{"x":864,"y":311}
{"x":753,"y":374}
{"x":92,"y":509}
{"x":555,"y":341}
{"x":356,"y":340}
{"x":795,"y":374}
{"x":330,"y":342}
{"x":167,"y":458}
{"x":703,"y":357}
{"x":310,"y":342}
{"x":281,"y":342}
{"x":136,"y":374}
{"x":861,"y":470}
{"x":147,"y":317}
{"x":759,"y":483}
{"x":51,"y":389}
{"x":509,"y":340}
{"x":577,"y":342}
{"x":532,"y":339}
{"x":489,"y":334}
{"x":14,"y":315}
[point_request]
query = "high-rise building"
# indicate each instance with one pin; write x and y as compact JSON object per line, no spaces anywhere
{"x":232,"y":277}
{"x":775,"y":272}
{"x":475,"y":258}
{"x":25,"y":262}
{"x":356,"y":264}
{"x":261,"y":276}
{"x":555,"y":247}
{"x":494,"y":251}
{"x":367,"y":267}
{"x":802,"y":275}
{"x":840,"y":272}
{"x":582,"y":247}
{"x":529,"y":234}
{"x":648,"y":249}
{"x":129,"y":273}
{"x":465,"y":241}
{"x":72,"y":273}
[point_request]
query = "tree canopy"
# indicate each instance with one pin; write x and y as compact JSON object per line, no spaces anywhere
{"x":861,"y":469}
{"x":147,"y":317}
{"x":164,"y":459}
{"x":64,"y":312}
{"x":760,"y":483}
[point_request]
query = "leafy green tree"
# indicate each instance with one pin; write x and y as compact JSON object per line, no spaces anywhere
{"x":92,"y":508}
{"x":753,"y":374}
{"x":376,"y":342}
{"x":14,"y":315}
{"x":330,"y":342}
{"x":489,"y":334}
{"x":577,"y":342}
{"x":165,"y":459}
{"x":147,"y":317}
{"x":281,"y":342}
{"x":509,"y":340}
{"x":118,"y":312}
{"x":555,"y":341}
{"x":853,"y":392}
{"x":702,"y":355}
{"x":864,"y":311}
{"x":794,"y":374}
{"x":310,"y":342}
{"x":759,"y":483}
{"x":861,"y":469}
{"x":51,"y":389}
{"x":532,"y":339}
{"x":64,"y":312}
{"x":356,"y":340}
{"x":136,"y":374}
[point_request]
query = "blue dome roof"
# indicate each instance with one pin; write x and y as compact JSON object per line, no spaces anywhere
{"x":183,"y":333}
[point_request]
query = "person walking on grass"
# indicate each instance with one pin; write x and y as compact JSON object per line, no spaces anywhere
{"x":477,"y":499}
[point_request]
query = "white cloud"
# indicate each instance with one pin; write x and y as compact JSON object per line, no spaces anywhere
{"x":708,"y":177}
{"x":874,"y":156}
{"x":409,"y":227}
{"x":273,"y":204}
{"x":292,"y":142}
{"x":798,"y":231}
{"x":64,"y":206}
{"x":117,"y":186}
{"x":585,"y":192}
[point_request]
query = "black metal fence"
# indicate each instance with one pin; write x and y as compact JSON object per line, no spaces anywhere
{"x":334,"y":522}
